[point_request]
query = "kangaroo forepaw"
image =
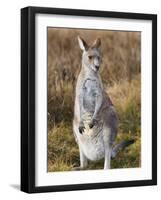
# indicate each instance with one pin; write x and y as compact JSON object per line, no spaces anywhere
{"x":81,"y":128}
{"x":92,"y":123}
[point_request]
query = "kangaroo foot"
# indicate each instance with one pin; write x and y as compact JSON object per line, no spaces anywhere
{"x":78,"y":168}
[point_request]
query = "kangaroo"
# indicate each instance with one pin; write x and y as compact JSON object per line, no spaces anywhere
{"x":95,"y":121}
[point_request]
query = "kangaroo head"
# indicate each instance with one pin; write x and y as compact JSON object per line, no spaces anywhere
{"x":91,"y":57}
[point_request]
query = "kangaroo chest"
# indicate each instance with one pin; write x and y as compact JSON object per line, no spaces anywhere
{"x":90,"y":91}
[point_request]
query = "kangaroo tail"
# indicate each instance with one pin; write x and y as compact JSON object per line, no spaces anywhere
{"x":120,"y":146}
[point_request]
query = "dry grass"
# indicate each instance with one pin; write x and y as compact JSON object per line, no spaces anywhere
{"x":120,"y":72}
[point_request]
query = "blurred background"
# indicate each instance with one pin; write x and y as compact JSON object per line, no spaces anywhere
{"x":121,"y":75}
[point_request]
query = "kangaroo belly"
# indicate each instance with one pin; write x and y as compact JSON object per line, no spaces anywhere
{"x":91,"y":142}
{"x":93,"y":148}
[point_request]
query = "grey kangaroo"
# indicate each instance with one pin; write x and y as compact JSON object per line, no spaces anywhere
{"x":95,"y":121}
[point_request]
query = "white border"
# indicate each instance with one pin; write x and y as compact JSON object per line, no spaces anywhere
{"x":94,"y":176}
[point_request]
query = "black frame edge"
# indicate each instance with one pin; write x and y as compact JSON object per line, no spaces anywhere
{"x":154,"y":99}
{"x":93,"y":186}
{"x":92,"y":13}
{"x":27,"y":100}
{"x":24,"y":100}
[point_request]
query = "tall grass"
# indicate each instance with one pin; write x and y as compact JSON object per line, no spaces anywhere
{"x":120,"y":72}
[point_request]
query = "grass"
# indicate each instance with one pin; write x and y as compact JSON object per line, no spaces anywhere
{"x":120,"y":72}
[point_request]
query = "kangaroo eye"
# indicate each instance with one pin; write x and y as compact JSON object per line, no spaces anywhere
{"x":90,"y":57}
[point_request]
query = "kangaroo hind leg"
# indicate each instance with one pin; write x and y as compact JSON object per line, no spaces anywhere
{"x":107,"y":147}
{"x":83,"y":161}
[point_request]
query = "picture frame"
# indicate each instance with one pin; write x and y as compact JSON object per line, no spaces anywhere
{"x":29,"y":49}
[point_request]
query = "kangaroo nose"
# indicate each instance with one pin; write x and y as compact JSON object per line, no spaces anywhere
{"x":97,"y":67}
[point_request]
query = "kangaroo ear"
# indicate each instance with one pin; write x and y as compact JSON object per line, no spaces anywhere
{"x":83,"y":45}
{"x":97,"y":43}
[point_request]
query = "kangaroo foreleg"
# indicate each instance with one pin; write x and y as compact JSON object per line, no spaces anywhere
{"x":98,"y":104}
{"x":81,"y":124}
